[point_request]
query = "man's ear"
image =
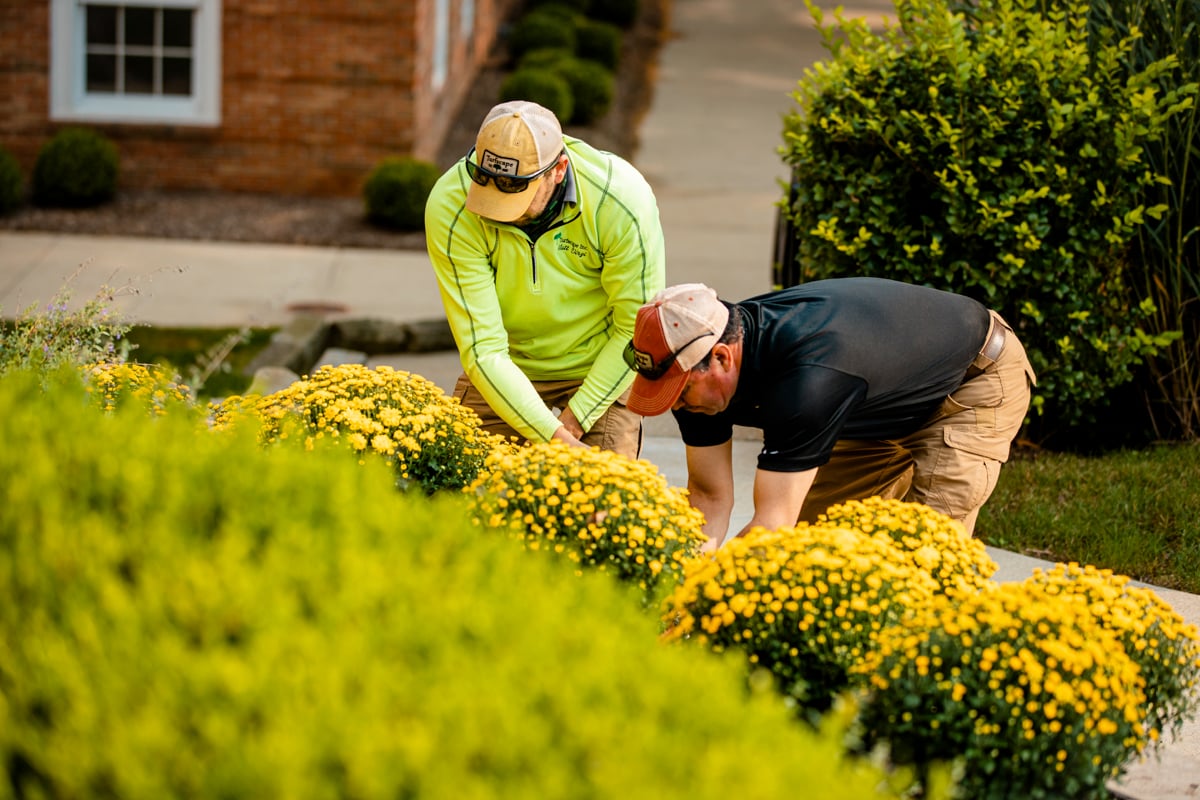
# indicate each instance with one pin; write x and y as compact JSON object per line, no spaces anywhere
{"x":722,"y":355}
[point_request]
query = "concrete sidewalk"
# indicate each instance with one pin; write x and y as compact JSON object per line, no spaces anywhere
{"x":709,"y":146}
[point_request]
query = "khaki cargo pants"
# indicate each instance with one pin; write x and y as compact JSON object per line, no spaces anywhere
{"x":618,"y":429}
{"x":952,"y":463}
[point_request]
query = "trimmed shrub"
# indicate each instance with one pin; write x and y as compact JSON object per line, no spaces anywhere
{"x":592,"y":88}
{"x":544,"y":58}
{"x":622,"y":13}
{"x":989,"y":154}
{"x":12,"y":184}
{"x":541,"y":86}
{"x":396,"y":190}
{"x":189,"y":615}
{"x":77,"y":168}
{"x":599,"y":42}
{"x":545,"y":26}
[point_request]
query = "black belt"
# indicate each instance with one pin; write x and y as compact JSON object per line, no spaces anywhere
{"x":993,"y":346}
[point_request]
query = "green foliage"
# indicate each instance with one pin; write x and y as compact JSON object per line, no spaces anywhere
{"x":189,"y":615}
{"x":590,"y":85}
{"x":1165,"y":262}
{"x":550,"y":25}
{"x":396,"y":190}
{"x":63,"y":333}
{"x":598,"y":41}
{"x":989,"y":154}
{"x":77,"y":168}
{"x":12,"y":183}
{"x":622,"y":13}
{"x":592,"y":88}
{"x":1135,"y":512}
{"x":541,"y":86}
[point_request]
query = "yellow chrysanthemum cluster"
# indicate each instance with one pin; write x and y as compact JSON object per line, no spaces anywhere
{"x":111,"y":383}
{"x":1165,"y":647}
{"x":805,"y":603}
{"x":1030,"y":684}
{"x":931,"y":541}
{"x":598,"y":508}
{"x":432,"y":441}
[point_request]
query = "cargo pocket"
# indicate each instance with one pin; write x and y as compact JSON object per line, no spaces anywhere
{"x":979,"y":442}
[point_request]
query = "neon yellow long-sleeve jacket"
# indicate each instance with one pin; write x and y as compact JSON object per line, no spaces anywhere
{"x":558,"y":308}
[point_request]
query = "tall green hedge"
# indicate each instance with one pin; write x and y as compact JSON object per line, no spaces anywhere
{"x":185,"y":614}
{"x":989,"y":153}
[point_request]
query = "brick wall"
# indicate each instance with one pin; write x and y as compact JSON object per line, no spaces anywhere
{"x":314,"y":94}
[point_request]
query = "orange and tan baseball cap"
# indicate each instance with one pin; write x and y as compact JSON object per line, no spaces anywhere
{"x":517,"y":143}
{"x":673,"y":333}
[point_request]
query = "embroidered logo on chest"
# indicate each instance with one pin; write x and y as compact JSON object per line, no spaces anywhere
{"x":565,"y":245}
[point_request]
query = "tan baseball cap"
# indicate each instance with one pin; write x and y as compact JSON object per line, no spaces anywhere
{"x":673,"y":333}
{"x":517,"y":139}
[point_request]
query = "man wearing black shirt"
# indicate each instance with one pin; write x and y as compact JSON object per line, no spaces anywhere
{"x":862,"y":387}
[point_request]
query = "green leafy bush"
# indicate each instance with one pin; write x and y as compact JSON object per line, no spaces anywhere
{"x":592,"y":88}
{"x":541,"y":86}
{"x":189,"y":615}
{"x":396,"y":190}
{"x":12,"y":184}
{"x":545,"y":26}
{"x":989,"y":154}
{"x":75,"y":169}
{"x":598,"y":41}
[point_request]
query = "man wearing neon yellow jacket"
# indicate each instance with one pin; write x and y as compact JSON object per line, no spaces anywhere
{"x":544,"y":249}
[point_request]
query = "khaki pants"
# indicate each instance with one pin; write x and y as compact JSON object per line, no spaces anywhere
{"x":618,"y":429}
{"x":953,"y":462}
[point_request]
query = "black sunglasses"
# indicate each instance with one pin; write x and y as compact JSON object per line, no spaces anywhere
{"x":508,"y":184}
{"x":643,"y":364}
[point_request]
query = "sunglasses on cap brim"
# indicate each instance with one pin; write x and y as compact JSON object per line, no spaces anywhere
{"x":508,"y":184}
{"x":643,"y":363}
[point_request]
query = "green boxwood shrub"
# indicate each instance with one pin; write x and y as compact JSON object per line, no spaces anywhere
{"x":77,"y":168}
{"x":541,"y":86}
{"x":988,"y":154}
{"x":592,"y":89}
{"x":598,"y":41}
{"x":396,"y":190}
{"x":545,"y":26}
{"x":188,"y":615}
{"x":12,"y":184}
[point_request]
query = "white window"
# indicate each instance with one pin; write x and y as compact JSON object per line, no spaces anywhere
{"x":441,"y":42}
{"x":466,"y":19}
{"x":139,"y":61}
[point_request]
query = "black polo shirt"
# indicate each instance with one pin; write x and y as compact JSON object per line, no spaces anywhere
{"x":847,"y":358}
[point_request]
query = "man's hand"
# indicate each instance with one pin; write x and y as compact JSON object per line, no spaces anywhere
{"x":568,"y":421}
{"x":564,"y":435}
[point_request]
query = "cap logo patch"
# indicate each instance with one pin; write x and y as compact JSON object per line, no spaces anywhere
{"x":499,"y":164}
{"x":644,"y":360}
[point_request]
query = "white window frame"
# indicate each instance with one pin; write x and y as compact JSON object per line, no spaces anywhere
{"x":70,"y":100}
